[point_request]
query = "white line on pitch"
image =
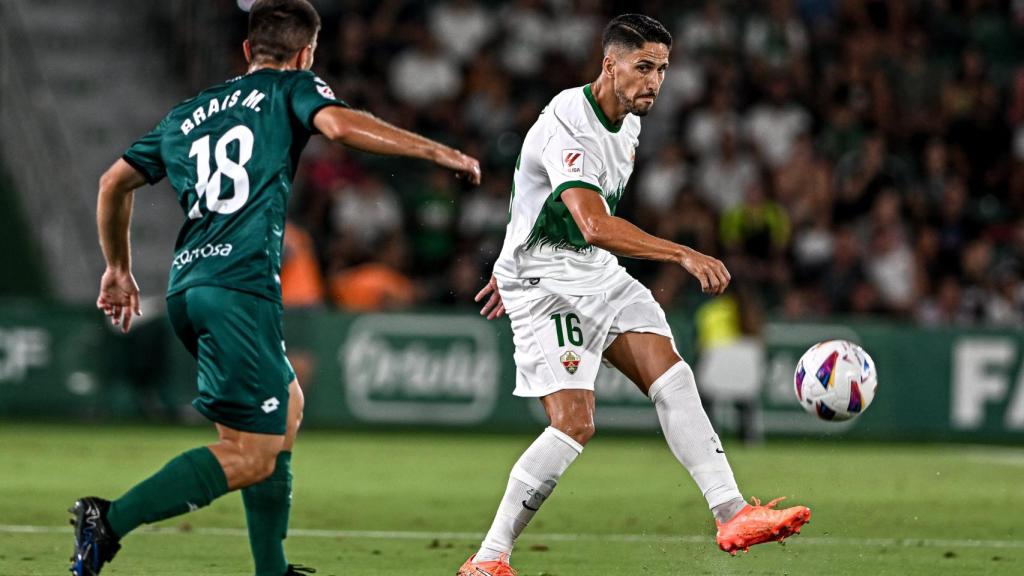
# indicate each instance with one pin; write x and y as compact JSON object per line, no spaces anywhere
{"x":474,"y":536}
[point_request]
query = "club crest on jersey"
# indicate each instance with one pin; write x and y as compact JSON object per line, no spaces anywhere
{"x":571,"y":361}
{"x":324,"y":89}
{"x":572,"y":161}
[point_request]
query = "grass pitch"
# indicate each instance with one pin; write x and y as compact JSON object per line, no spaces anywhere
{"x":373,"y":504}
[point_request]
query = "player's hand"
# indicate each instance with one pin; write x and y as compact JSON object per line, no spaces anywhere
{"x":494,"y":307}
{"x":119,"y":297}
{"x":709,"y":271}
{"x":465,"y":166}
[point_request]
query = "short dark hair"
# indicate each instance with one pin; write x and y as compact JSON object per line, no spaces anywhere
{"x":633,"y":31}
{"x":278,"y":29}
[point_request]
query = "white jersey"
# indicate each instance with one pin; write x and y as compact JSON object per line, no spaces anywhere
{"x":572,"y":145}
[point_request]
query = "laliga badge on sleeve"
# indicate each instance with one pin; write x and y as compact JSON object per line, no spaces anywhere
{"x":324,"y":89}
{"x":572,"y":161}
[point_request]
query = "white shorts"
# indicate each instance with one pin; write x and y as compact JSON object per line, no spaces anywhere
{"x":560,"y":340}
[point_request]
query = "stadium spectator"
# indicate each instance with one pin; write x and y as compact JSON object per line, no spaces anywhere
{"x":937,"y":173}
{"x":1005,"y":305}
{"x":376,"y":285}
{"x":845,"y":273}
{"x":527,"y":29}
{"x":708,"y":32}
{"x":463,"y":282}
{"x":659,"y":185}
{"x":774,"y":41}
{"x":917,"y":84}
{"x":578,"y":25}
{"x":325,"y":170}
{"x":804,"y":184}
{"x":891,"y":267}
{"x":863,"y":174}
{"x":732,"y":360}
{"x":843,"y":131}
{"x":491,"y":112}
{"x":434,"y":218}
{"x":484,"y":212}
{"x":755,"y":235}
{"x":723,"y":179}
{"x":953,"y":227}
{"x":708,"y":125}
{"x":977,"y":286}
{"x":774,"y":125}
{"x":944,"y":308}
{"x":367,"y":211}
{"x":461,"y":27}
{"x":423,"y":76}
{"x":301,"y":282}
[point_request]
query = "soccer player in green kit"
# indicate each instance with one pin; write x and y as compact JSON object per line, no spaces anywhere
{"x":230,"y":154}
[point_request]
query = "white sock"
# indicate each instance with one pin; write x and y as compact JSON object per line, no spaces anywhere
{"x":690,"y":436}
{"x":532,"y":479}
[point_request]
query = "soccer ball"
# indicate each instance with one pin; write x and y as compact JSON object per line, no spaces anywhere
{"x":835,"y":380}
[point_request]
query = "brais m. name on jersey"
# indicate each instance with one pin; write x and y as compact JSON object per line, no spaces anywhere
{"x":202,"y":113}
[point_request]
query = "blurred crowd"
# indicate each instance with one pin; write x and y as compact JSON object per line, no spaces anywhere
{"x":854,"y":157}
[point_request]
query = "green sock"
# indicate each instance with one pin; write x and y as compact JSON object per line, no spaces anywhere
{"x":267,"y":506}
{"x":188,"y":482}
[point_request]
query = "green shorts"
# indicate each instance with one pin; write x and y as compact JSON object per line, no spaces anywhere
{"x":238,"y":341}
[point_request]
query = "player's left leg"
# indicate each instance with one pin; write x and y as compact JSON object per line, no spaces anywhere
{"x":652,"y":363}
{"x":268,"y":503}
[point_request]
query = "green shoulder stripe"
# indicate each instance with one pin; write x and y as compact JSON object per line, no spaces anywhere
{"x":573,"y":184}
{"x":555,"y":225}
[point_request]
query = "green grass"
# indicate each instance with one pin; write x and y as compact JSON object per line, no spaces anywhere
{"x":927,"y":509}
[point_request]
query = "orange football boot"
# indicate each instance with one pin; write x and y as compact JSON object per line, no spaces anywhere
{"x":756,"y":524}
{"x":497,"y":567}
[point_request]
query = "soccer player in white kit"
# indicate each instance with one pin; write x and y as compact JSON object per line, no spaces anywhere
{"x":571,"y":303}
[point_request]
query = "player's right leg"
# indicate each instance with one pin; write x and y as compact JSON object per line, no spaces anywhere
{"x":557,"y":355}
{"x":534,"y":477}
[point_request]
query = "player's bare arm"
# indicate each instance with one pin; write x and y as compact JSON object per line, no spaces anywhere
{"x":623,"y":238}
{"x":119,"y":294}
{"x":364,"y":131}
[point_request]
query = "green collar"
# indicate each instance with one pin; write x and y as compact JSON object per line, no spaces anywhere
{"x":613,"y":128}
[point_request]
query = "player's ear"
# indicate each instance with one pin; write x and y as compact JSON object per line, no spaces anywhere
{"x":247,"y":51}
{"x":306,"y":58}
{"x":608,"y":64}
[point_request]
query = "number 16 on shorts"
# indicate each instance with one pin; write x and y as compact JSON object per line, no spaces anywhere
{"x":567,"y":328}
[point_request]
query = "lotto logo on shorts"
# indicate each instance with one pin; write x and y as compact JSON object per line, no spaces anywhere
{"x":571,"y":361}
{"x":572,"y":161}
{"x":270,"y":404}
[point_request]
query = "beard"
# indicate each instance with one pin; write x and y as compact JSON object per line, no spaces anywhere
{"x":631,"y":105}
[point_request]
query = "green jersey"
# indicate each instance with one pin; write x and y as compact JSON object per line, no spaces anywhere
{"x":230,"y":154}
